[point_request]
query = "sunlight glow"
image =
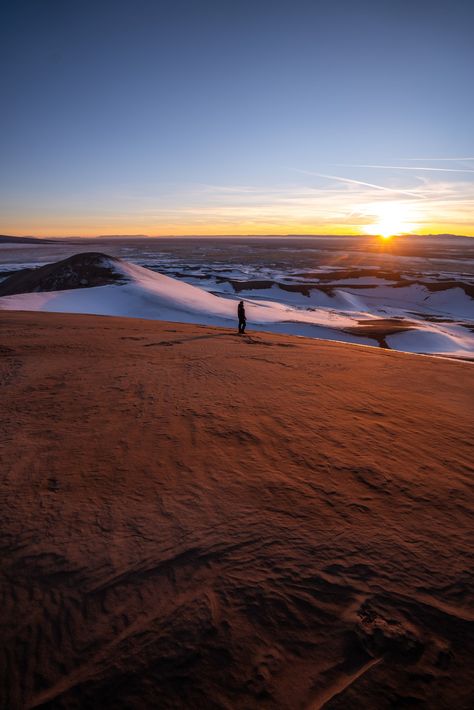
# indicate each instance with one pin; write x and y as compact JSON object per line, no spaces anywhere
{"x":391,"y":218}
{"x":201,"y":209}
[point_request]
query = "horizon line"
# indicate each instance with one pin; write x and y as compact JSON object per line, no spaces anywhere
{"x":229,"y":236}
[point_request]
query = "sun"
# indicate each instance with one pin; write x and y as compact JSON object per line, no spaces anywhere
{"x":392,"y":218}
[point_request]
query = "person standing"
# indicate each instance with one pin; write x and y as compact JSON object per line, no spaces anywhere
{"x":242,"y":318}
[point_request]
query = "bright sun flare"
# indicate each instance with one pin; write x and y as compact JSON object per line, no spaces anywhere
{"x":392,"y":218}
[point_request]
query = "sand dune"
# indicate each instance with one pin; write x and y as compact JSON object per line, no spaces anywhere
{"x":193,"y":519}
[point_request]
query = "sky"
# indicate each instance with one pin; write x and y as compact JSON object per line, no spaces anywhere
{"x":236,"y":117}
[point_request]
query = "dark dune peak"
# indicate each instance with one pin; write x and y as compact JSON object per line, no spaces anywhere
{"x":78,"y":271}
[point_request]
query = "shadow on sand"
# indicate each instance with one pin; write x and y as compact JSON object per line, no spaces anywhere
{"x":244,"y":336}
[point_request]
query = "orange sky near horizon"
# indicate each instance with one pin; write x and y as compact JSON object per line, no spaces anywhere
{"x":315,"y":204}
{"x":221,"y":230}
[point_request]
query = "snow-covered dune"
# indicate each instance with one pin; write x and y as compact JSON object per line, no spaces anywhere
{"x":453,"y":302}
{"x":142,"y":293}
{"x":137,"y":292}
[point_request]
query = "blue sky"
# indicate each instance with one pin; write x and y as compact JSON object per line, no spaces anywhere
{"x":236,"y":117}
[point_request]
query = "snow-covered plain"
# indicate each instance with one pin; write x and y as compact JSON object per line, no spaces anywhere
{"x":143,"y":293}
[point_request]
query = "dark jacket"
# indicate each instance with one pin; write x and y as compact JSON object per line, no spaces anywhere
{"x":241,"y":312}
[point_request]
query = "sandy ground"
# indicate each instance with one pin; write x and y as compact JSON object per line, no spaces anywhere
{"x":193,"y":519}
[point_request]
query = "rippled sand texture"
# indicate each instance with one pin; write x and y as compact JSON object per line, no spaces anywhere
{"x":193,"y":519}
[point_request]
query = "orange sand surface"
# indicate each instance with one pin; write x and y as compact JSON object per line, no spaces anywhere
{"x":193,"y":519}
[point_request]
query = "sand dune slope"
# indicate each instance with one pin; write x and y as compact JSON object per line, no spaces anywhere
{"x":193,"y":519}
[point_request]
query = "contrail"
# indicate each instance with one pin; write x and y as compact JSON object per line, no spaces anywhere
{"x":406,"y":167}
{"x":360,"y":182}
{"x":438,"y":160}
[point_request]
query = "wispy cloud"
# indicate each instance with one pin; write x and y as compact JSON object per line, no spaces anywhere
{"x":348,"y":206}
{"x":332,"y":204}
{"x":338,"y":178}
{"x":438,"y":160}
{"x":406,"y":167}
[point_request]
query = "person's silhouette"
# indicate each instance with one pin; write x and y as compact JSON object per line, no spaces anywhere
{"x":242,"y":318}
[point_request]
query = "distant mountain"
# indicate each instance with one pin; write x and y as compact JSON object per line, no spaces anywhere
{"x":121,"y":236}
{"x":6,"y":239}
{"x":104,"y":237}
{"x":449,"y":236}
